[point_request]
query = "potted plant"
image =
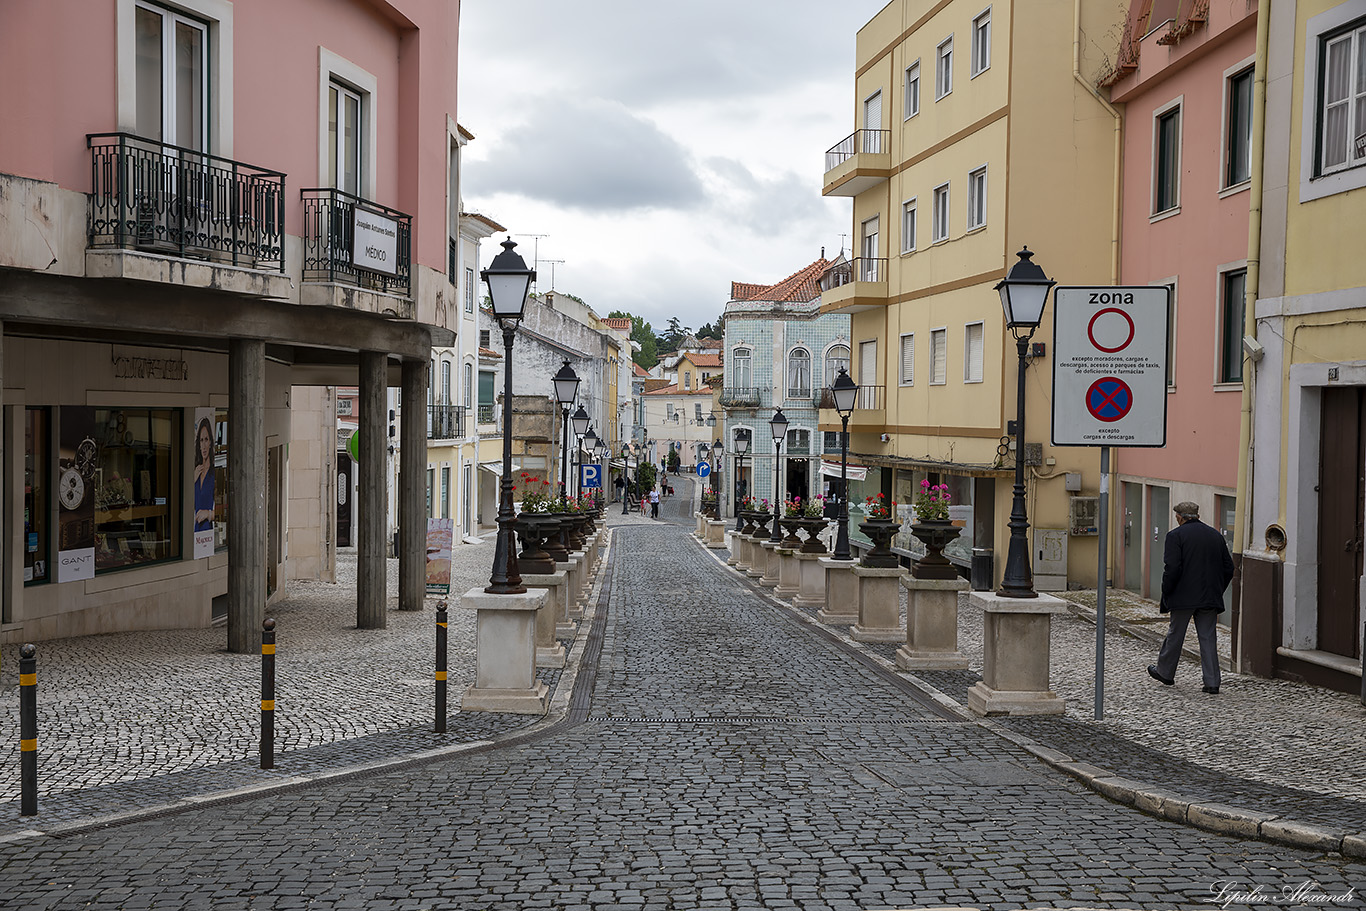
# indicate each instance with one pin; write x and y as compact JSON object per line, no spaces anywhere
{"x":933,"y":528}
{"x":791,"y":522}
{"x":880,"y":528}
{"x":761,"y":517}
{"x":813,"y":523}
{"x":744,"y":516}
{"x":535,"y":524}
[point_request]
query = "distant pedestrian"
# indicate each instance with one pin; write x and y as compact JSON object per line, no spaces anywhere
{"x":654,"y":503}
{"x":1196,"y":570}
{"x":619,"y":484}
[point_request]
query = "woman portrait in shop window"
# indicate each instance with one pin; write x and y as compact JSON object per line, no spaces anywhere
{"x":203,"y":477}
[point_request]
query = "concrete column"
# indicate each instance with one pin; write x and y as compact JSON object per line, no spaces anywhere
{"x":812,"y":575}
{"x":505,"y":654}
{"x":879,"y":605}
{"x":412,"y":488}
{"x":1015,"y":656}
{"x":772,"y":564}
{"x":789,"y":572}
{"x":372,"y":494}
{"x":841,"y":592}
{"x":549,"y":652}
{"x":246,"y":494}
{"x":931,"y":625}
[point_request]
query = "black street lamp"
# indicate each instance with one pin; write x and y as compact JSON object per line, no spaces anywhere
{"x":741,"y":447}
{"x":716,"y":453}
{"x":509,"y":280}
{"x":626,"y":471}
{"x":566,"y":388}
{"x":1024,"y":293}
{"x":845,"y":392}
{"x":580,"y":421}
{"x":777,"y":425}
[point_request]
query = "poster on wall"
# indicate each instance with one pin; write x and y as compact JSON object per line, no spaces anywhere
{"x":439,"y":532}
{"x":205,"y":479}
{"x":77,"y":461}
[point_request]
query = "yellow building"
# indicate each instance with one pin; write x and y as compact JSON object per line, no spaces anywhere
{"x":977,"y":132}
{"x":1302,"y":495}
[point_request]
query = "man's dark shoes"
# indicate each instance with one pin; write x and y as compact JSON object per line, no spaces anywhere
{"x":1212,"y":690}
{"x":1152,"y":672}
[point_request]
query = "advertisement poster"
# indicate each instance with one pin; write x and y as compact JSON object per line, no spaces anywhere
{"x":205,"y":478}
{"x":77,"y":459}
{"x":439,"y":532}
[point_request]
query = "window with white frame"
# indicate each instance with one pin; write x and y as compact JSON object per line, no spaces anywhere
{"x":171,"y":77}
{"x":345,"y":108}
{"x":741,"y":368}
{"x":868,"y":265}
{"x":973,"y":339}
{"x":940,"y":227}
{"x":1233,"y":291}
{"x":347,"y":116}
{"x":872,"y":123}
{"x":981,"y":42}
{"x":468,"y":384}
{"x":939,"y":357}
{"x":908,"y":359}
{"x":835,"y":358}
{"x":1167,"y":159}
{"x":908,"y":225}
{"x":798,"y":442}
{"x":668,"y":411}
{"x":1238,"y":128}
{"x":943,"y":71}
{"x":687,"y":379}
{"x":799,"y":374}
{"x":977,"y":198}
{"x":1170,"y":285}
{"x":445,"y":382}
{"x":697,"y":411}
{"x":469,"y":290}
{"x":912,"y":90}
{"x":1342,"y":100}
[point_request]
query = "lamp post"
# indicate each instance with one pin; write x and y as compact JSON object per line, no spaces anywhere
{"x":589,"y":447}
{"x":777,"y":425}
{"x":1024,"y":293}
{"x":580,"y":421}
{"x":741,"y":447}
{"x":509,"y":280}
{"x":845,"y":392}
{"x":716,"y":453}
{"x":626,"y":470}
{"x":566,"y":387}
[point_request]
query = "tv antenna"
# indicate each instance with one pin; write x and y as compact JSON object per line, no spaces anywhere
{"x":553,"y":263}
{"x":535,"y":250}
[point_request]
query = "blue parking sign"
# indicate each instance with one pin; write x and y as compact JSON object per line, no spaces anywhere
{"x":590,"y":476}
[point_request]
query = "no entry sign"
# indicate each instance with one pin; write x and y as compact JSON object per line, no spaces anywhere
{"x":1110,"y":367}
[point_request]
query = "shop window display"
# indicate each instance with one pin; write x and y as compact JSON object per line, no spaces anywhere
{"x":137,"y":486}
{"x":37,"y":451}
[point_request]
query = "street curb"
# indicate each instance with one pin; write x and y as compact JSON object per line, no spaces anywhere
{"x":1143,"y":796}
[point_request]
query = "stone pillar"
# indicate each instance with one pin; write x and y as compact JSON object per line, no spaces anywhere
{"x":573,"y":569}
{"x":372,"y":595}
{"x":549,"y":652}
{"x":505,"y":654}
{"x":789,"y":572}
{"x":879,"y":605}
{"x":841,"y":593}
{"x":811,"y":589}
{"x":412,"y":487}
{"x":1015,"y":656}
{"x":772,"y":564}
{"x":246,"y":494}
{"x":739,"y":551}
{"x":716,"y":534}
{"x":931,"y":625}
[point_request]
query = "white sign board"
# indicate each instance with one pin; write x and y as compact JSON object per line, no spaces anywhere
{"x":1110,"y":366}
{"x":374,"y":241}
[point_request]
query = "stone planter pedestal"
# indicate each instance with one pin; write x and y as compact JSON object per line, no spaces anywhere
{"x":931,"y":625}
{"x":811,"y":590}
{"x":739,"y":551}
{"x":549,"y":651}
{"x":841,"y":592}
{"x":700,"y":533}
{"x":789,"y":572}
{"x":573,"y":569}
{"x":716,"y":534}
{"x":1015,"y":656}
{"x":879,"y":605}
{"x":758,"y":557}
{"x":505,"y":654}
{"x":772,"y":564}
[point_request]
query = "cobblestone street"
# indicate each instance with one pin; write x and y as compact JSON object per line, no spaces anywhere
{"x":732,"y":756}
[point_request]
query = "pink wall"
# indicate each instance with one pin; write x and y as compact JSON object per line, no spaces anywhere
{"x":1202,"y":423}
{"x":62,"y":53}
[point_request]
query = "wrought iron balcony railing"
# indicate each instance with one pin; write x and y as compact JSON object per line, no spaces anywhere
{"x":741,"y":397}
{"x":445,"y":422}
{"x":485,"y":414}
{"x":859,"y":141}
{"x":799,"y":392}
{"x":858,"y":269}
{"x":148,"y":195}
{"x":332,"y":219}
{"x":870,"y":398}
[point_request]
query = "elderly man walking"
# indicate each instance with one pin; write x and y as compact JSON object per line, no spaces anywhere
{"x":1196,"y":570}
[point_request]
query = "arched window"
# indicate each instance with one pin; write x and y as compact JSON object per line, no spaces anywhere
{"x":445,"y":382}
{"x":743,"y":375}
{"x":799,"y":374}
{"x":469,"y":384}
{"x":835,"y":358}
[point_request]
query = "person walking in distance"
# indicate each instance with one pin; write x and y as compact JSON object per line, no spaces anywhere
{"x":1196,"y":570}
{"x":654,"y":502}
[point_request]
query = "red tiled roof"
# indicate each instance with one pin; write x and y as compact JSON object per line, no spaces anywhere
{"x":705,"y":360}
{"x":639,"y":370}
{"x":672,"y":389}
{"x":489,"y":352}
{"x":617,"y":322}
{"x":801,"y":286}
{"x":653,"y":384}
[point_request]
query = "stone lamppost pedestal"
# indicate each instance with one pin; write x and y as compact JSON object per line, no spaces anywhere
{"x":716,"y":534}
{"x":789,"y":573}
{"x":758,"y":557}
{"x":739,"y":551}
{"x":931,"y":625}
{"x":879,"y":605}
{"x":505,"y":654}
{"x":1015,"y":656}
{"x":772,"y":564}
{"x":572,"y":569}
{"x":549,"y":651}
{"x":841,"y":592}
{"x":811,"y":590}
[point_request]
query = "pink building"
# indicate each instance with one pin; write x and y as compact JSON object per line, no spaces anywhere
{"x":213,"y":213}
{"x":1183,"y":75}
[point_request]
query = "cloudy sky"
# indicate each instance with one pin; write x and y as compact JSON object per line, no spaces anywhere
{"x":664,"y":149}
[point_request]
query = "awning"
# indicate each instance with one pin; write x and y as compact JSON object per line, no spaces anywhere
{"x":496,"y":467}
{"x":853,"y":472}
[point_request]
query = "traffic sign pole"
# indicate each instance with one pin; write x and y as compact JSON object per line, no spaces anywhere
{"x":1101,"y":580}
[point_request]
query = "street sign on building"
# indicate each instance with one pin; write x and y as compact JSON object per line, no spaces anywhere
{"x":1110,"y":365}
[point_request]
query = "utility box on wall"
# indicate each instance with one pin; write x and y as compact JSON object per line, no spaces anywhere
{"x":1050,"y":559}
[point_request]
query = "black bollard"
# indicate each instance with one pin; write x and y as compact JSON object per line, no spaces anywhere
{"x":28,"y":730}
{"x":268,"y":694}
{"x":441,"y":667}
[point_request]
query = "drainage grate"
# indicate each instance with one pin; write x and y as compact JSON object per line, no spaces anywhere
{"x":764,"y":719}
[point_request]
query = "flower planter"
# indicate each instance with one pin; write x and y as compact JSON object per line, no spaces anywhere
{"x":760,"y":526}
{"x":880,"y":532}
{"x":555,"y":540}
{"x":575,"y":529}
{"x":935,"y":534}
{"x":813,"y":526}
{"x":792,"y":524}
{"x":744,"y":522}
{"x":533,"y":528}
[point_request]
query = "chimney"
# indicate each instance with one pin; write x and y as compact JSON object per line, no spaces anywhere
{"x":822,"y":252}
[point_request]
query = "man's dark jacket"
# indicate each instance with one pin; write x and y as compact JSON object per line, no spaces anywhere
{"x":1196,"y":568}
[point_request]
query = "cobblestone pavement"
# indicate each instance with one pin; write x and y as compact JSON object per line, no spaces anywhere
{"x":731,"y":757}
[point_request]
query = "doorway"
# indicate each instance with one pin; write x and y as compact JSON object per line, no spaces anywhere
{"x":343,"y":499}
{"x":1342,"y":503}
{"x":1159,"y":517}
{"x":1133,"y":536}
{"x":798,"y":479}
{"x":274,"y":535}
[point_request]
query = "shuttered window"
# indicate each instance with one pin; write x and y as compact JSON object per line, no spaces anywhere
{"x":939,"y":357}
{"x":908,"y":360}
{"x":972,"y":353}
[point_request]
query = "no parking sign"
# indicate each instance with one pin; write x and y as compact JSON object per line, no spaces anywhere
{"x":1110,"y":368}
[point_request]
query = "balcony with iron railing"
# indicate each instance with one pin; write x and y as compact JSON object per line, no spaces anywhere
{"x":486,"y":413}
{"x":350,"y":242}
{"x":858,"y":284}
{"x":869,"y":412}
{"x":445,"y":422}
{"x":149,"y":197}
{"x":741,"y":397}
{"x":858,"y":162}
{"x":869,"y":398}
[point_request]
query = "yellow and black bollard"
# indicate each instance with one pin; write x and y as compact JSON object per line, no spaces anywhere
{"x":28,"y":730}
{"x":441,"y":667}
{"x":268,"y":694}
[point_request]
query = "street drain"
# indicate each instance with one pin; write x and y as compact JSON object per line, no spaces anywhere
{"x":761,"y":719}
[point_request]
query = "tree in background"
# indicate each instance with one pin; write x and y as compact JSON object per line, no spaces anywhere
{"x":645,"y":477}
{"x":716,"y":331}
{"x":644,"y":335}
{"x":675,"y":460}
{"x":673,"y":337}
